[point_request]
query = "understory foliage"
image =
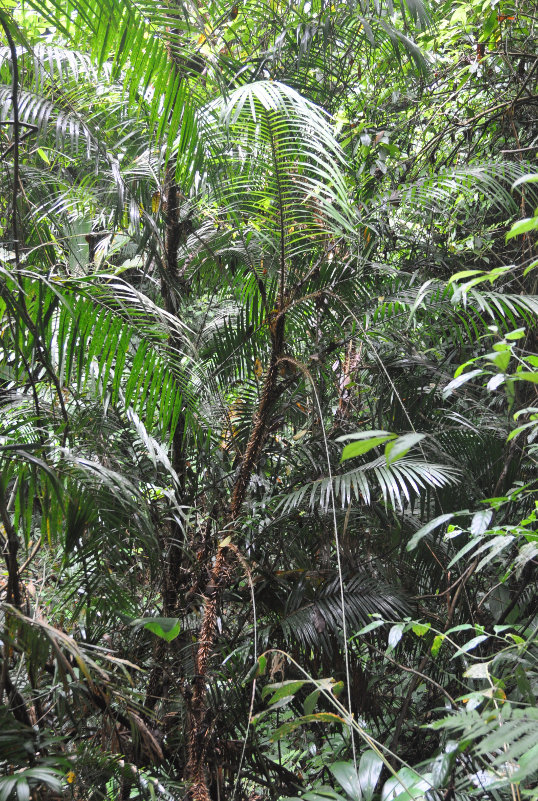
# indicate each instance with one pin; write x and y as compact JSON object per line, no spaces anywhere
{"x":268,"y":400}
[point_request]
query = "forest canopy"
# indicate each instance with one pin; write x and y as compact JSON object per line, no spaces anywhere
{"x":268,"y":400}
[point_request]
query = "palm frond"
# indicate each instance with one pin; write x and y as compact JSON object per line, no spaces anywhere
{"x":505,"y":738}
{"x":103,"y":325}
{"x":433,"y":192}
{"x":278,"y":164}
{"x":473,"y":309}
{"x":398,"y":484}
{"x":319,"y":620}
{"x":136,"y":40}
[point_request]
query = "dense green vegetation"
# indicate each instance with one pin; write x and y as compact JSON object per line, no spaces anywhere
{"x":268,"y":400}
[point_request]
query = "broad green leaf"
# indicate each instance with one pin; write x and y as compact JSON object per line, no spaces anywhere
{"x":296,"y":723}
{"x":431,"y":526}
{"x":501,"y":359}
{"x":167,"y":628}
{"x":43,"y":154}
{"x":310,"y":702}
{"x":370,"y":767}
{"x":395,"y":635}
{"x":461,"y":369}
{"x":496,"y":381}
{"x":282,"y":689}
{"x":480,"y":522}
{"x":480,"y":670}
{"x":461,"y":627}
{"x":463,"y":274}
{"x":436,"y":644}
{"x":519,"y":333}
{"x":441,"y":769}
{"x":375,"y":624}
{"x":469,"y":646}
{"x":525,"y":376}
{"x":405,"y":786}
{"x":281,"y":702}
{"x":460,"y":381}
{"x":346,"y":776}
{"x":522,"y":226}
{"x":420,"y":629}
{"x":532,"y":266}
{"x":532,"y":360}
{"x":398,"y":448}
{"x":365,"y":442}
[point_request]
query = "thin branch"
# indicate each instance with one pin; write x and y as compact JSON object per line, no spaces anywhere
{"x":520,"y":149}
{"x":416,"y":673}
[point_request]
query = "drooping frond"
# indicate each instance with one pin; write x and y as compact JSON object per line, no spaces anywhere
{"x":136,"y":39}
{"x":432,"y":192}
{"x":398,"y":483}
{"x":104,"y":325}
{"x":472,"y":310}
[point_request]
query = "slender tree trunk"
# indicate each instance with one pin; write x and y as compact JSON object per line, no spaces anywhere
{"x":171,"y":285}
{"x":172,"y":537}
{"x":11,"y":548}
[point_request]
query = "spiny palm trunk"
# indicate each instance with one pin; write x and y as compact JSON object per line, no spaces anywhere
{"x":200,"y":731}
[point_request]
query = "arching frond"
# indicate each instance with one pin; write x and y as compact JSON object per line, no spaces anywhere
{"x":398,"y":483}
{"x":319,"y":620}
{"x":278,"y":165}
{"x":473,"y":310}
{"x":432,"y":192}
